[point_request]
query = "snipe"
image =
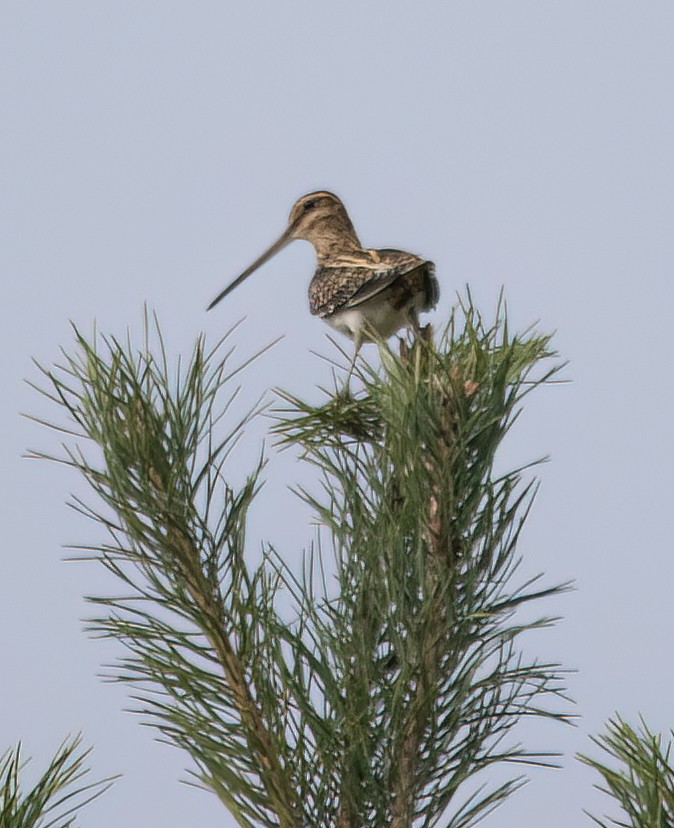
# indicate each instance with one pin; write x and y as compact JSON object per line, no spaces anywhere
{"x":363,"y":293}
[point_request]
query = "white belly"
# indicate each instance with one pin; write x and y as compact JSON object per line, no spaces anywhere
{"x":374,"y":316}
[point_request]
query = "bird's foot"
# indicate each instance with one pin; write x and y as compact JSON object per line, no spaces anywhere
{"x":421,"y":336}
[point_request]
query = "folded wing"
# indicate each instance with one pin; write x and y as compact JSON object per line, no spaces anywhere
{"x":351,"y":282}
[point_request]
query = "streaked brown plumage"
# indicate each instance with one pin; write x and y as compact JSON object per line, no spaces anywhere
{"x":362,"y":293}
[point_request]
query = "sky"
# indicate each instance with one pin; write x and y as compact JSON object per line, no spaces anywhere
{"x":149,"y":151}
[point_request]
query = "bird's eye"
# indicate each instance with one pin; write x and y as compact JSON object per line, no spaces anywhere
{"x":309,"y":205}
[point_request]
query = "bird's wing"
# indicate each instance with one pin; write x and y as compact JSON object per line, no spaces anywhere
{"x":350,"y":282}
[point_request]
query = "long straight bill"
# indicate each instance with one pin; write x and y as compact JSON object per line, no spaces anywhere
{"x":279,"y":244}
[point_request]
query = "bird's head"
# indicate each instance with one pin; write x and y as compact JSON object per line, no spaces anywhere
{"x":316,"y":214}
{"x":319,"y":218}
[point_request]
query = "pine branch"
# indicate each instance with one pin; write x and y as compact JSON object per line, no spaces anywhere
{"x":443,"y":552}
{"x":643,"y":785}
{"x":160,"y":459}
{"x":425,"y":539}
{"x":57,"y":796}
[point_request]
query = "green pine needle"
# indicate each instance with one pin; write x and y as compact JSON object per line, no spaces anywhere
{"x":57,"y":796}
{"x":643,"y":783}
{"x":399,"y":674}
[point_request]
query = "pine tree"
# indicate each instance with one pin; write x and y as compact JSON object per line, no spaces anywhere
{"x":399,"y":676}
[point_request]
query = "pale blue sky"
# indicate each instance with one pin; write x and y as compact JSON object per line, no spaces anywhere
{"x":150,"y":150}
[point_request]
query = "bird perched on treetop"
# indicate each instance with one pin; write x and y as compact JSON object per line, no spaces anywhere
{"x":365,"y":294}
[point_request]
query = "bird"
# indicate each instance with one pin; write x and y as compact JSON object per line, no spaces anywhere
{"x":363,"y":293}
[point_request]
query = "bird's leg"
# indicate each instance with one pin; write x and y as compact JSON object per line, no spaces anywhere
{"x":413,"y":323}
{"x":357,"y":342}
{"x":412,"y":350}
{"x":425,"y":333}
{"x":413,"y":317}
{"x":404,"y":349}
